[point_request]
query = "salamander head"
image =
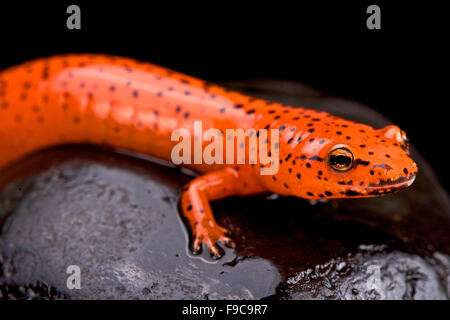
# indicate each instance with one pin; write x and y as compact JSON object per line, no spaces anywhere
{"x":351,"y":160}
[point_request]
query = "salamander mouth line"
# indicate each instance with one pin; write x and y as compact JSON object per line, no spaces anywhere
{"x":400,"y":182}
{"x":384,"y":187}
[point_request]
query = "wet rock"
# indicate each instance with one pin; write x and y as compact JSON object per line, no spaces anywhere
{"x":363,"y":276}
{"x":116,"y":218}
{"x":118,"y":222}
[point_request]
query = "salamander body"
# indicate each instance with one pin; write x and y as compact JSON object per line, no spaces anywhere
{"x":133,"y":105}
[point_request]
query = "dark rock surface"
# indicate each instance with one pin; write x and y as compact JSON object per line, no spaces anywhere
{"x":116,"y":217}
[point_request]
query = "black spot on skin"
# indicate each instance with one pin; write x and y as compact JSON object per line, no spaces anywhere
{"x":76,"y":120}
{"x":371,"y":153}
{"x":139,"y":124}
{"x":290,"y":140}
{"x":347,"y":137}
{"x":186,"y":115}
{"x":328,"y":193}
{"x":351,"y":193}
{"x":388,"y":156}
{"x":299,"y":175}
{"x":112,"y":88}
{"x":286,"y":186}
{"x":320,"y":172}
{"x":222,"y":110}
{"x":362,"y":131}
{"x":250,"y":111}
{"x":186,"y":93}
{"x":308,"y":165}
{"x":372,"y":172}
{"x":282,"y":128}
{"x":271,"y":111}
{"x":296,"y":118}
{"x":273,"y":178}
{"x":321,"y":141}
{"x":189,"y":208}
{"x":128,"y":83}
{"x":311,"y":140}
{"x":311,"y":130}
{"x":362,"y":145}
{"x":361,"y":162}
{"x":299,"y":139}
{"x":82,"y":85}
{"x":277,"y":117}
{"x":315,"y":158}
{"x":238,"y":106}
{"x":159,"y":94}
{"x":290,"y":170}
{"x":36,"y":108}
{"x":310,"y":194}
{"x":135,"y":93}
{"x":156,"y":112}
{"x":178,"y":109}
{"x":321,"y":196}
{"x":202,"y":211}
{"x":338,"y":132}
{"x":405,"y":170}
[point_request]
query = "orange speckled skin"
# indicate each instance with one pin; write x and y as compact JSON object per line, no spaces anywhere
{"x":127,"y":104}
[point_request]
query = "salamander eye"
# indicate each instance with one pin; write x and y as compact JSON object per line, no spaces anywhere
{"x":340,"y":159}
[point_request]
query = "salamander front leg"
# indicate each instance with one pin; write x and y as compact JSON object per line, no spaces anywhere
{"x":197,"y":211}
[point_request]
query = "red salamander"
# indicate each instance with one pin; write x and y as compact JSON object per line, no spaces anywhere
{"x":136,"y":106}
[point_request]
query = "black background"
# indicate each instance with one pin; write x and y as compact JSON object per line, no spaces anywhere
{"x":399,"y":70}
